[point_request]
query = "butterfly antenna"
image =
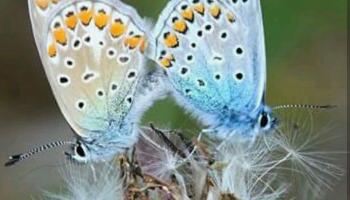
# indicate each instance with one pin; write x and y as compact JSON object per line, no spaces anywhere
{"x":303,"y":106}
{"x":23,"y":156}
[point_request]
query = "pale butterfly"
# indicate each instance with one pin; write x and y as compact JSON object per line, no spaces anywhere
{"x":213,"y":53}
{"x":92,"y":52}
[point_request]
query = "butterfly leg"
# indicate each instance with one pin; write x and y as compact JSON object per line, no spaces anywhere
{"x":150,"y":183}
{"x":129,"y":174}
{"x":208,"y":131}
{"x":139,"y":184}
{"x":93,"y":172}
{"x":188,"y":143}
{"x":167,"y":141}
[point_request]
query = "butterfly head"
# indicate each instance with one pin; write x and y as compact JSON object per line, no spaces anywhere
{"x":98,"y":149}
{"x":246,"y":124}
{"x":80,"y":152}
{"x":84,"y":151}
{"x":265,"y":120}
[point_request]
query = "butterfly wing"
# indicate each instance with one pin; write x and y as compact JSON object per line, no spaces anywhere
{"x":92,"y":52}
{"x":213,"y":52}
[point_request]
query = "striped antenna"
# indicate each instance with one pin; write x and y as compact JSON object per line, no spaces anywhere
{"x":23,"y":156}
{"x":303,"y":106}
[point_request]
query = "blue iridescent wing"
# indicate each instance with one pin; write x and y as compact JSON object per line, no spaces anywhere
{"x":92,"y":52}
{"x":214,"y":54}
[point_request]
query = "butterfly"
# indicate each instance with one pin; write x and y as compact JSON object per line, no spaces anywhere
{"x":213,"y":53}
{"x":93,"y":56}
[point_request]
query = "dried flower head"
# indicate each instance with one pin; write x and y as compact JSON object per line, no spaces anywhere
{"x":85,"y":182}
{"x":166,"y":165}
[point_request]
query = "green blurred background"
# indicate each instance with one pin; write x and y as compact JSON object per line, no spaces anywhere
{"x":306,"y":53}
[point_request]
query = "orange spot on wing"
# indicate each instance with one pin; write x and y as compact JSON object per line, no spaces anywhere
{"x":135,"y":41}
{"x":215,"y":11}
{"x":71,"y":21}
{"x":170,"y":40}
{"x":52,"y":50}
{"x":143,"y":45}
{"x":101,"y":19}
{"x":117,"y":28}
{"x":188,"y":14}
{"x":231,"y":17}
{"x":85,"y":16}
{"x":55,"y":1}
{"x":60,"y":36}
{"x":42,"y":4}
{"x":180,"y":26}
{"x":166,"y":61}
{"x":199,"y":7}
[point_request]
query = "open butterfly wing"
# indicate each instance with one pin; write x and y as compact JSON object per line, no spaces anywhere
{"x":213,"y":52}
{"x":92,"y":55}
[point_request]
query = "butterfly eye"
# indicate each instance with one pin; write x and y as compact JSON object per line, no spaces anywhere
{"x":80,"y":151}
{"x":264,"y":120}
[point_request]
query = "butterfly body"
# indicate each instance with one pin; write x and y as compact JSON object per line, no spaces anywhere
{"x":106,"y":144}
{"x":214,"y":55}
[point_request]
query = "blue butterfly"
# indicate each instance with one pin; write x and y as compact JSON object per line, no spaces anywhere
{"x":92,"y":52}
{"x":213,"y":52}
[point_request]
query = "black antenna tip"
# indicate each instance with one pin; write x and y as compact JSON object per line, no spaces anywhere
{"x":13,"y":160}
{"x":328,"y":106}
